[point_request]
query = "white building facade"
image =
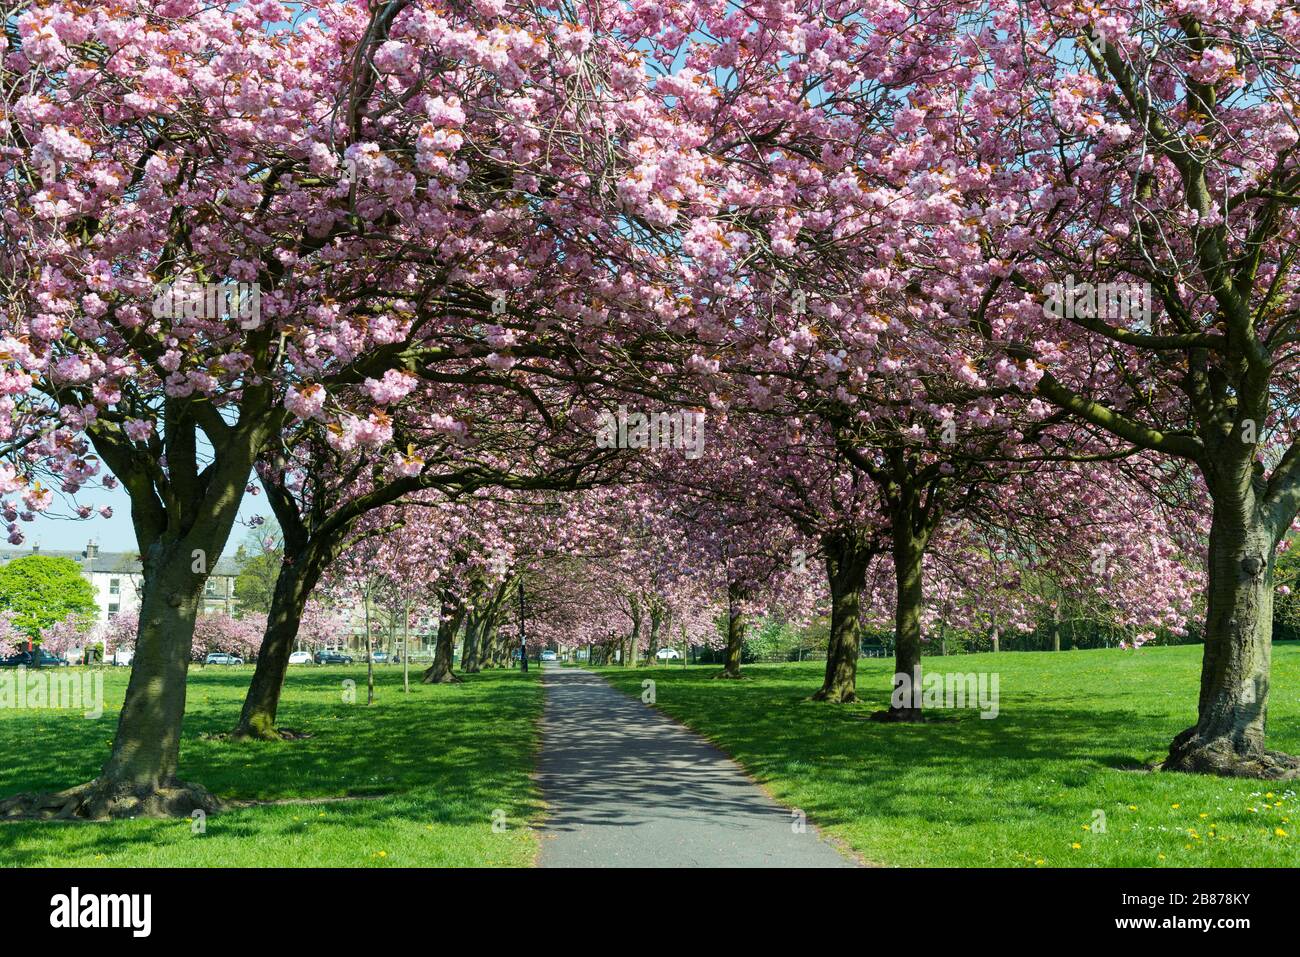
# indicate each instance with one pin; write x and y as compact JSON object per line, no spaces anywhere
{"x":118,"y":579}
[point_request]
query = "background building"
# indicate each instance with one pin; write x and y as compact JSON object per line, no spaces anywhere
{"x":118,"y":578}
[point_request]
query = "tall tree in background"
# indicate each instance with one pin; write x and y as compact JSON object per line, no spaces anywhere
{"x":258,"y":558}
{"x":41,"y":590}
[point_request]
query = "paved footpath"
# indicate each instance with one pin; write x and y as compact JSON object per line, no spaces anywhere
{"x":626,"y":787}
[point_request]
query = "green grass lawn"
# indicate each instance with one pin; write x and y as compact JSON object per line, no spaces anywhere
{"x":1018,"y":790}
{"x":421,"y":774}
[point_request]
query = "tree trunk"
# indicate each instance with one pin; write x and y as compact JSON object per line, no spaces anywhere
{"x":293,"y":587}
{"x":846,"y":572}
{"x":406,"y":647}
{"x":498,"y":646}
{"x":486,"y":652}
{"x":1228,"y":737}
{"x":909,"y":553}
{"x":440,"y":671}
{"x":656,"y":624}
{"x":370,"y":655}
{"x":735,"y":633}
{"x":1056,"y":626}
{"x":139,"y":778}
{"x":634,"y":639}
{"x":475,"y":625}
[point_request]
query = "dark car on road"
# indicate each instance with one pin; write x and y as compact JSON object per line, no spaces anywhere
{"x":28,"y":658}
{"x":332,"y":658}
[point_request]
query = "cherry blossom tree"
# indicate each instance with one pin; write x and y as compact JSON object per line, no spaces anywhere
{"x":1129,"y":185}
{"x":227,"y":227}
{"x":11,"y":637}
{"x":222,"y":633}
{"x":64,"y":635}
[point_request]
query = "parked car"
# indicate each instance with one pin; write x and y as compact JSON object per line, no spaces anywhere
{"x":222,"y":658}
{"x":331,"y":657}
{"x":300,"y":658}
{"x":28,"y":659}
{"x":379,"y":657}
{"x":123,"y":657}
{"x":549,"y":655}
{"x":664,"y":654}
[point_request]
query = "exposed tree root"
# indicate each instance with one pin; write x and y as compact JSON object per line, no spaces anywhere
{"x":732,"y":675}
{"x":442,"y":678}
{"x":836,"y":696}
{"x":260,"y":732}
{"x":102,"y":800}
{"x":1192,"y":754}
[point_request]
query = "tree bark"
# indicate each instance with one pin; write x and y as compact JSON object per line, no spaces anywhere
{"x":475,"y":625}
{"x":486,"y":654}
{"x":146,"y":749}
{"x":406,"y":647}
{"x":497,"y":644}
{"x":909,"y":553}
{"x":735,"y":633}
{"x":656,"y":625}
{"x":846,"y":573}
{"x":1229,"y":734}
{"x":634,"y":639}
{"x":370,"y":654}
{"x":139,"y":779}
{"x":293,"y":587}
{"x":440,"y":672}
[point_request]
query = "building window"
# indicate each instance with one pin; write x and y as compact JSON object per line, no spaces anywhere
{"x":114,"y":608}
{"x":115,"y":586}
{"x":210,"y":589}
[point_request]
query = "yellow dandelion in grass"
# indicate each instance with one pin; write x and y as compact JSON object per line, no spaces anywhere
{"x":1076,"y":845}
{"x":321,"y":814}
{"x":1085,"y":827}
{"x":1039,"y":863}
{"x":1160,"y":857}
{"x":1187,"y":847}
{"x":1204,"y":815}
{"x":1269,"y":794}
{"x":1132,"y":807}
{"x":1175,"y":806}
{"x":1279,"y":832}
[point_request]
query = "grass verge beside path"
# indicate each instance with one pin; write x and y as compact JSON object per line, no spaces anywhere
{"x":1022,"y":789}
{"x":423,"y":774}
